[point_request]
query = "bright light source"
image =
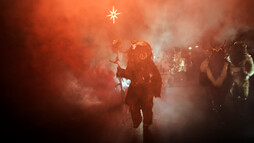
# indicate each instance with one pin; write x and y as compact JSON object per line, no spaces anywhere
{"x":113,"y":14}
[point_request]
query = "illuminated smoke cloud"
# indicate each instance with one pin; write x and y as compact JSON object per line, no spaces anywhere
{"x":66,"y":45}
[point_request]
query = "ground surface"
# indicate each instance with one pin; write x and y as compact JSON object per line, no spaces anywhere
{"x":180,"y":115}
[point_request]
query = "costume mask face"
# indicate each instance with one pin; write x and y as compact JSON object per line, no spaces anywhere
{"x":140,"y":51}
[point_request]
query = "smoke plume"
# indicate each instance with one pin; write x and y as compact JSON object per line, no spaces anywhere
{"x":56,"y":69}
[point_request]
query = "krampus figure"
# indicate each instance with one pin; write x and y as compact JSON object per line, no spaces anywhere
{"x":145,"y":82}
{"x":241,"y":65}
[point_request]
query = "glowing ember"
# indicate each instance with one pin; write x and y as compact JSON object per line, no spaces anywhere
{"x":113,"y":14}
{"x":190,"y":48}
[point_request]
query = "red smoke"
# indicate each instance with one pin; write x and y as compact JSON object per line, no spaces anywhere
{"x":75,"y":36}
{"x":59,"y":50}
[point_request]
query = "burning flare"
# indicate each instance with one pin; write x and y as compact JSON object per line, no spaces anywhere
{"x":113,"y":14}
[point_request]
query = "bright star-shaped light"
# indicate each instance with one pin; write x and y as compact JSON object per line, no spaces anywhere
{"x":113,"y":15}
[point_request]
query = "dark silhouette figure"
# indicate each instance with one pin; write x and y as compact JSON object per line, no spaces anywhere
{"x":242,"y":68}
{"x":215,"y":77}
{"x":145,"y":84}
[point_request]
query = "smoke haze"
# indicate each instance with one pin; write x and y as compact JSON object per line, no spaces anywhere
{"x":55,"y":62}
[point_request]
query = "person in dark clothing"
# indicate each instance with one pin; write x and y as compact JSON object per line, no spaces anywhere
{"x":145,"y":84}
{"x":215,"y":76}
